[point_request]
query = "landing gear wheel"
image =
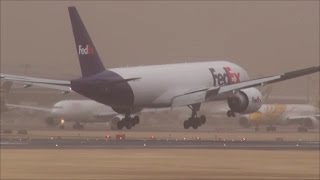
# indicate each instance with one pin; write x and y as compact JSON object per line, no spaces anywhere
{"x":194,"y":120}
{"x":195,"y":124}
{"x":136,"y":120}
{"x":203,"y":119}
{"x":186,"y":124}
{"x":120,"y":125}
{"x":128,"y":124}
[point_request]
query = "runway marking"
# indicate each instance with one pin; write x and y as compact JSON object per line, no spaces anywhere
{"x":12,"y":143}
{"x":127,"y":144}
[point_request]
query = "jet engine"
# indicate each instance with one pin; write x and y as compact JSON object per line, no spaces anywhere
{"x":311,"y":122}
{"x":245,"y":101}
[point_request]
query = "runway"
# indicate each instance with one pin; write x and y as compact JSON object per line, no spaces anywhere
{"x":127,"y":144}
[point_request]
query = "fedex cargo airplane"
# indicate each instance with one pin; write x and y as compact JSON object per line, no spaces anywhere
{"x":129,"y":90}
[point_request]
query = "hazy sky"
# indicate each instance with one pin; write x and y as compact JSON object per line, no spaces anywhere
{"x":263,"y":37}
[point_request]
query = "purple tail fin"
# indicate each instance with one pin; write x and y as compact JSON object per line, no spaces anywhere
{"x":89,"y":59}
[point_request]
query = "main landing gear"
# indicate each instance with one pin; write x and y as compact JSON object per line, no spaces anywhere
{"x":194,"y":121}
{"x":128,"y":122}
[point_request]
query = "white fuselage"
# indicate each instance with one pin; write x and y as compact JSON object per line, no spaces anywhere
{"x":81,"y":110}
{"x":159,"y":84}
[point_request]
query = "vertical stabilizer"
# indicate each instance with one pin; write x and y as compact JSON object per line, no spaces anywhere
{"x":89,"y":59}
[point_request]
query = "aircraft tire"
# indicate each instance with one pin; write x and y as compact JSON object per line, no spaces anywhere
{"x":136,"y":119}
{"x":128,"y":125}
{"x":186,"y":124}
{"x":203,"y":119}
{"x":195,"y":125}
{"x":120,"y":125}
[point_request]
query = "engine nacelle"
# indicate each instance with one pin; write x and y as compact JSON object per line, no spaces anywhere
{"x":311,"y":122}
{"x":245,"y":101}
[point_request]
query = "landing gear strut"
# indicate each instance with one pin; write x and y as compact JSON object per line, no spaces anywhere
{"x":128,"y":122}
{"x":194,"y":121}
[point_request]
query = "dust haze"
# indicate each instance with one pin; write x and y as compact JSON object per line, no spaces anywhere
{"x":265,"y":38}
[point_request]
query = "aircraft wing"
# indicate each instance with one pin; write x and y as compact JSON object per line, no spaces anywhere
{"x":15,"y":106}
{"x":47,"y":83}
{"x":204,"y":94}
{"x":266,"y":80}
{"x":302,"y":117}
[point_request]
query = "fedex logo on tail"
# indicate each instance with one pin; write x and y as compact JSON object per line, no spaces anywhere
{"x":85,"y":50}
{"x":226,"y":78}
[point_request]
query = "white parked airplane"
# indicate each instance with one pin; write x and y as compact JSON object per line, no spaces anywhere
{"x":78,"y":111}
{"x":129,"y":90}
{"x":81,"y":112}
{"x":307,"y":116}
